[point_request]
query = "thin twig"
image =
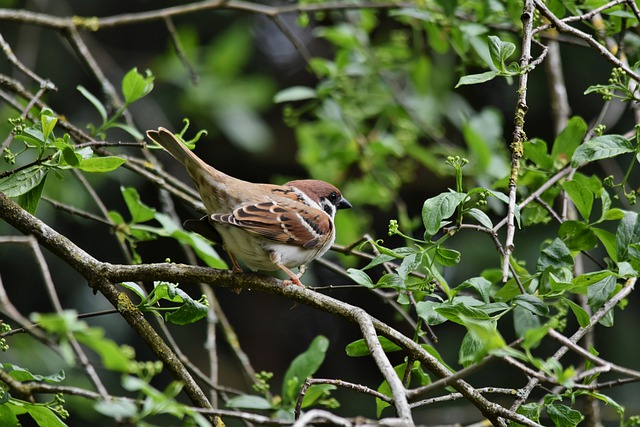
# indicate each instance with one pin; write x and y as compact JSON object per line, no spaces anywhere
{"x":175,"y":40}
{"x":398,"y":390}
{"x":338,"y":383}
{"x":519,"y":136}
{"x":455,"y":396}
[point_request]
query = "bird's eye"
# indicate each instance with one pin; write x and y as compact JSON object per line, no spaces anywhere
{"x":333,"y":196}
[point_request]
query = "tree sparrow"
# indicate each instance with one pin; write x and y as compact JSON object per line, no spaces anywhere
{"x":267,"y":226}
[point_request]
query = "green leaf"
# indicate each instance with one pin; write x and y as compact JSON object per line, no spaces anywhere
{"x":411,"y":263}
{"x":480,"y":284}
{"x":315,"y":393}
{"x":302,"y":367}
{"x":344,"y":36}
{"x":577,"y":235}
{"x":32,"y":137}
{"x":294,"y":93}
{"x":113,"y":356}
{"x":135,"y":133}
{"x":559,"y":285}
{"x":563,"y":416}
{"x":581,"y":315}
{"x":190,"y":311}
{"x":608,"y":400}
{"x":481,"y":217}
{"x":48,"y":121}
{"x":359,"y":347}
{"x":138,"y":210}
{"x":360,"y":277}
{"x":533,"y":336}
{"x":247,"y":401}
{"x":460,"y":311}
{"x":21,"y":374}
{"x":438,"y":208}
{"x":23,"y":181}
{"x":101,"y":164}
{"x":43,"y":416}
{"x":29,"y":200}
{"x":601,"y":147}
{"x":532,"y":303}
{"x":136,"y":86}
{"x":7,"y":416}
{"x":599,"y":292}
{"x":531,"y":411}
{"x":581,"y":196}
{"x":628,"y":232}
{"x":200,"y":245}
{"x":447,"y":257}
{"x":419,"y":375}
{"x":608,"y":240}
{"x":116,"y":408}
{"x":471,"y":350}
{"x":67,"y":321}
{"x":134,"y":287}
{"x":390,"y":280}
{"x":102,"y":110}
{"x":500,"y":51}
{"x":625,"y":269}
{"x":485,"y":332}
{"x":555,"y":255}
{"x":588,"y":279}
{"x":568,"y":140}
{"x":524,"y":320}
{"x":427,"y":311}
{"x":536,"y":150}
{"x":70,"y":157}
{"x":634,"y":255}
{"x":474,"y":79}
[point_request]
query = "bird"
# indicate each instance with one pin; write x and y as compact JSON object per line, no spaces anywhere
{"x":268,"y":227}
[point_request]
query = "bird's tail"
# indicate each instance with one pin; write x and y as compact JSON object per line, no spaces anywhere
{"x":174,"y":146}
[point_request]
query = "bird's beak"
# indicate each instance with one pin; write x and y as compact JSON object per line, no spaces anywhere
{"x":344,"y":204}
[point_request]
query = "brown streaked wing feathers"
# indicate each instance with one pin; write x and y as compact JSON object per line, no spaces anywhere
{"x":281,"y":222}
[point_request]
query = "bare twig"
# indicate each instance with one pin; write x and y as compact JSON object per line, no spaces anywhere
{"x":175,"y":40}
{"x":44,"y":83}
{"x":519,"y":136}
{"x":338,"y":383}
{"x":455,"y":396}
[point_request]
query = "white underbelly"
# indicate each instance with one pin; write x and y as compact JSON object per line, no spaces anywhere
{"x":255,"y":252}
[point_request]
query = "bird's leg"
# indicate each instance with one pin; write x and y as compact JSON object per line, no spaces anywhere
{"x":295,"y":279}
{"x":236,"y":267}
